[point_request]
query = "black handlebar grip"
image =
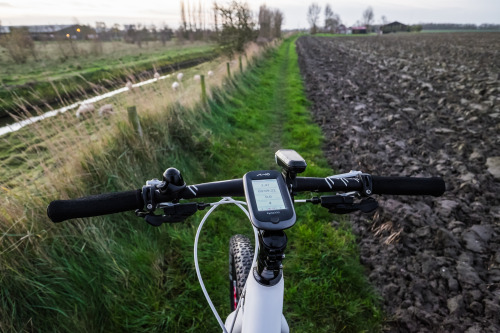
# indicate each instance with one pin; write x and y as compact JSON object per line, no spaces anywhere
{"x":108,"y":203}
{"x":408,"y":185}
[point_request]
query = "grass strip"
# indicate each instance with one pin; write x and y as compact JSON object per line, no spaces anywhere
{"x":67,"y":86}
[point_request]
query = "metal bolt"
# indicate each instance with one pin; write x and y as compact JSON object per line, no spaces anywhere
{"x":368,"y":192}
{"x":283,"y":256}
{"x":150,"y":206}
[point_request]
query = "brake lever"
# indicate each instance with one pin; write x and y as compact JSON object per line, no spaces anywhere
{"x":342,"y":204}
{"x":172,"y":213}
{"x":366,"y":205}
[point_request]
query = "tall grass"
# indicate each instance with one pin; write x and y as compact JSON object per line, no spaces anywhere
{"x":52,"y":79}
{"x":115,"y":273}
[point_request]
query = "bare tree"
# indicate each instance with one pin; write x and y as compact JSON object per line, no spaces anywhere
{"x":277,"y":22}
{"x":216,"y":20}
{"x":19,"y":45}
{"x":368,"y":17}
{"x":115,"y":31}
{"x":165,"y":34}
{"x":141,"y":35}
{"x":313,"y":16}
{"x":332,"y":20}
{"x":183,"y":16}
{"x":270,"y":22}
{"x":193,"y":15}
{"x":328,"y":15}
{"x":200,"y":19}
{"x":189,"y":17}
{"x":237,"y":26}
{"x":61,"y":45}
{"x":265,"y":21}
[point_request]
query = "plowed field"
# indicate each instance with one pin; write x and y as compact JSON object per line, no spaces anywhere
{"x":419,"y":105}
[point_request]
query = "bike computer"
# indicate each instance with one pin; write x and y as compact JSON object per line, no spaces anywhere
{"x":268,"y":199}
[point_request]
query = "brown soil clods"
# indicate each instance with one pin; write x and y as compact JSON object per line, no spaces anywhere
{"x":419,"y":105}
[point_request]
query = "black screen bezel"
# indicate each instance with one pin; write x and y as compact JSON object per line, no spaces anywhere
{"x":263,"y":219}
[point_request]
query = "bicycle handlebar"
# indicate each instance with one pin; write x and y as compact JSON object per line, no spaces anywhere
{"x":434,"y":186}
{"x":95,"y":205}
{"x":109,"y":203}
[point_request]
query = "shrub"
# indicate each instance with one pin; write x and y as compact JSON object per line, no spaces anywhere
{"x":19,"y":45}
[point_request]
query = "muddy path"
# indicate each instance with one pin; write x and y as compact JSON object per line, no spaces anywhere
{"x":419,"y":105}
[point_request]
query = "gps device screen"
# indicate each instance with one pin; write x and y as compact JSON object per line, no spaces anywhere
{"x":267,"y":194}
{"x":269,"y":202}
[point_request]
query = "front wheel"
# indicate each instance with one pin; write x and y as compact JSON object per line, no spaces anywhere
{"x":240,"y":263}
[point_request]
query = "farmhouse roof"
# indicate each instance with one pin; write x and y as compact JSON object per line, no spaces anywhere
{"x":395,"y":23}
{"x":40,"y":29}
{"x":46,"y":28}
{"x":358,"y":28}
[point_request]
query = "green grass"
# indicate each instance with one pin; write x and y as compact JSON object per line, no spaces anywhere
{"x":118,"y":274}
{"x":52,"y":80}
{"x":50,"y":65}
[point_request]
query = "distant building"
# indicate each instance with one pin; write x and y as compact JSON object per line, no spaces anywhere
{"x":394,"y":27}
{"x":4,"y":30}
{"x":48,"y":32}
{"x":341,"y":29}
{"x":358,"y":30}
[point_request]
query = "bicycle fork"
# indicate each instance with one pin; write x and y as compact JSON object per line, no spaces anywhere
{"x":262,"y":305}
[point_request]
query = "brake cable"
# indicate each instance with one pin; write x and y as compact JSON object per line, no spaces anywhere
{"x":225,"y":200}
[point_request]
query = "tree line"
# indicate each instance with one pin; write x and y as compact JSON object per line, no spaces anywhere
{"x":455,"y":26}
{"x":232,"y":25}
{"x":332,"y":22}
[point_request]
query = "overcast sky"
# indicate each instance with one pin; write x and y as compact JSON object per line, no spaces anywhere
{"x":158,"y":12}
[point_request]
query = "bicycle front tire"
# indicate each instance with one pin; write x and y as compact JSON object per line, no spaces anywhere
{"x":240,"y":263}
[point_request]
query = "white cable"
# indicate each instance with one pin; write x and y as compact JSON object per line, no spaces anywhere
{"x":197,"y":267}
{"x":350,"y":174}
{"x":232,"y":201}
{"x":225,"y":200}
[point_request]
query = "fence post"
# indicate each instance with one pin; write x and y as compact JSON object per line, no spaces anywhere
{"x":241,"y":65}
{"x":203,"y":89}
{"x":228,"y":70}
{"x":133,"y":118}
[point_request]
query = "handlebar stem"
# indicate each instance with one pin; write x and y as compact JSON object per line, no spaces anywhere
{"x":272,"y":245}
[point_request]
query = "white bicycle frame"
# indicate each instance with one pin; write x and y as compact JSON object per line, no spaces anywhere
{"x":261,"y":309}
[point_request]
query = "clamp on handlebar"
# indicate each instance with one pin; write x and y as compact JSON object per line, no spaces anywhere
{"x":367,"y":183}
{"x":364,"y":179}
{"x":170,"y":187}
{"x":149,"y":194}
{"x":172,"y":213}
{"x":344,"y":203}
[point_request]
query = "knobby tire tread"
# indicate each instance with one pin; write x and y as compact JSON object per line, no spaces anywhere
{"x":240,"y":263}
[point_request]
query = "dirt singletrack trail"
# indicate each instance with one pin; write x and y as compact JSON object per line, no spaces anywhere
{"x":419,"y":105}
